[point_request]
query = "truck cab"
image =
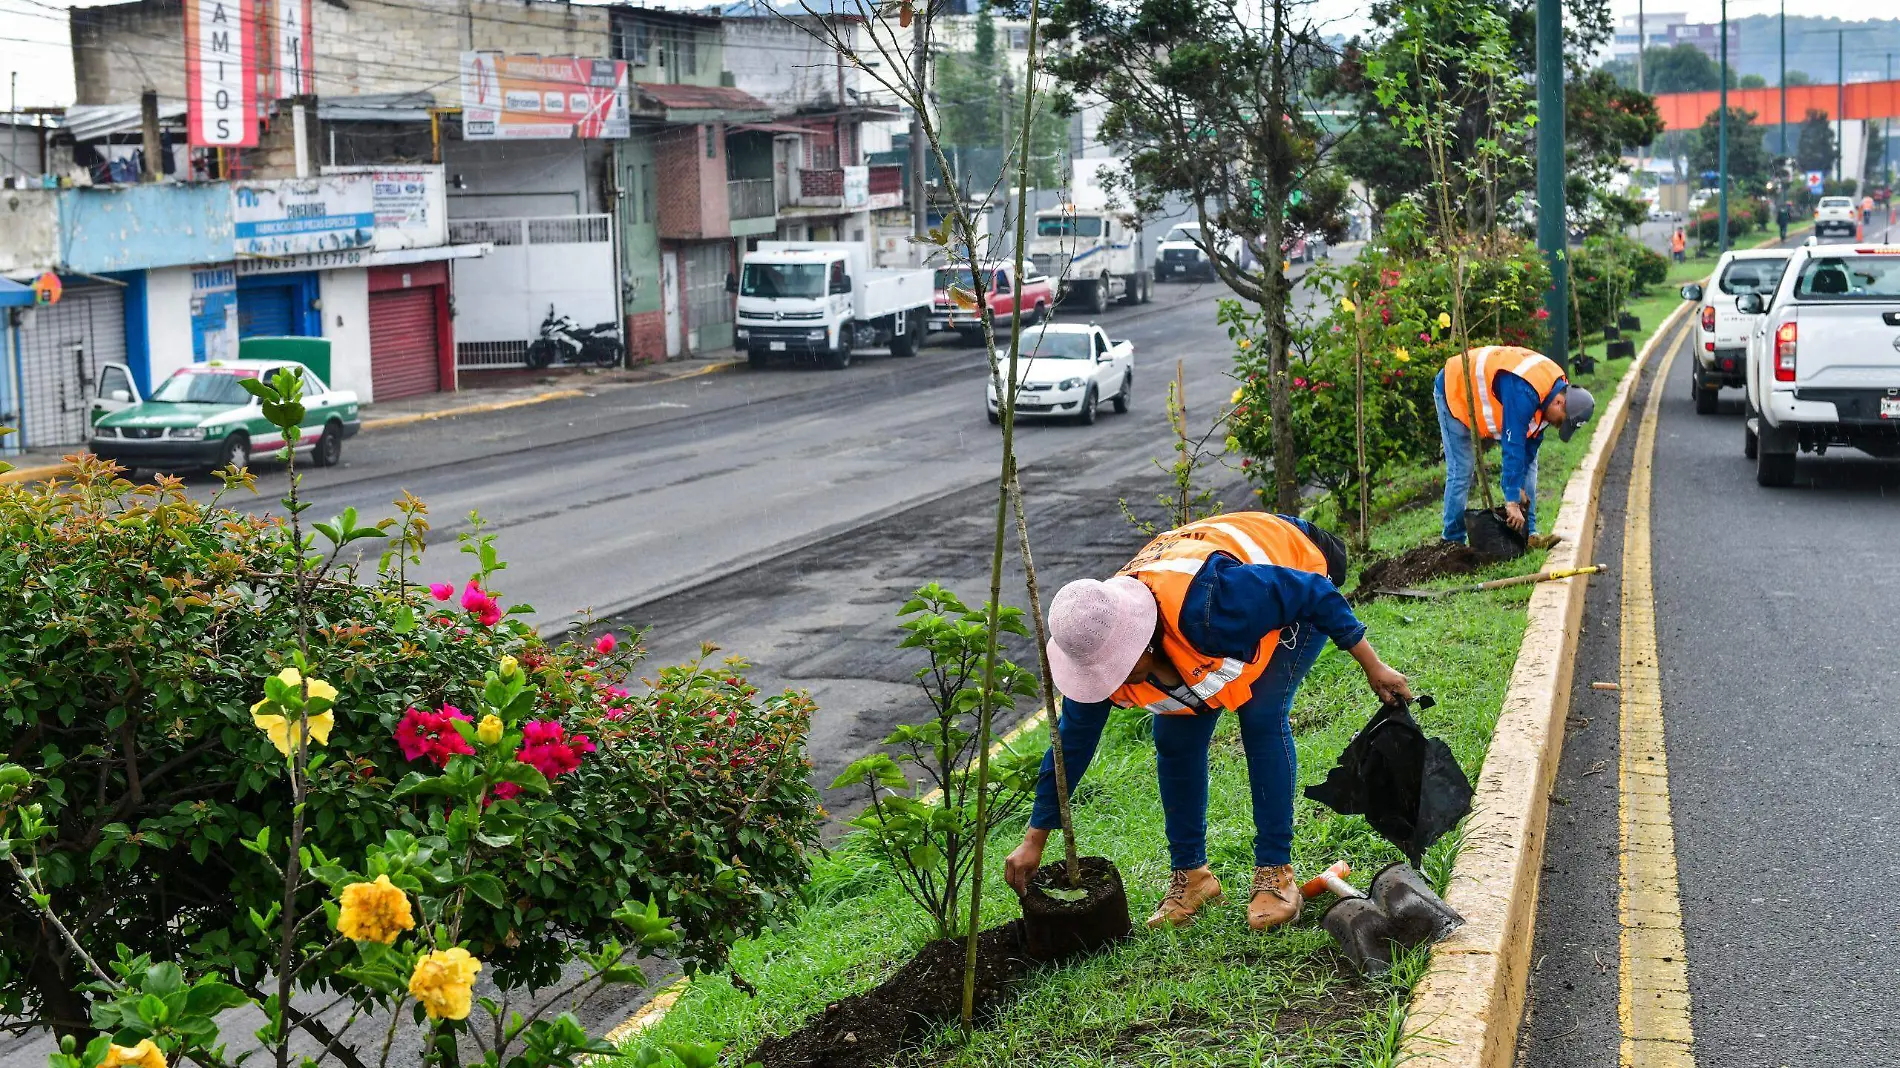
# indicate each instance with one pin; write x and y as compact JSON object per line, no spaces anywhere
{"x":1036,"y":295}
{"x":823,"y":300}
{"x":1095,"y":256}
{"x":1722,"y":331}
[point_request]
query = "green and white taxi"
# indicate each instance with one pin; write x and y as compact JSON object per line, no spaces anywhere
{"x":201,"y":417}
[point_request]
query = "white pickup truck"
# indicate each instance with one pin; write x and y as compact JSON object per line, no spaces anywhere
{"x":1721,"y":352}
{"x":1836,"y":215}
{"x":823,"y":299}
{"x":1824,"y":359}
{"x":1066,"y":370}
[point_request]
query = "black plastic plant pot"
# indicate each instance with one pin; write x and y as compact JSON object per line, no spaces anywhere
{"x":1629,"y":322}
{"x":1611,"y":333}
{"x":1583,"y":364}
{"x":1620,"y":350}
{"x":1490,"y":536}
{"x":1055,"y":929}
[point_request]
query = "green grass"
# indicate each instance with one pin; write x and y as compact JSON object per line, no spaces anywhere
{"x":1214,"y":993}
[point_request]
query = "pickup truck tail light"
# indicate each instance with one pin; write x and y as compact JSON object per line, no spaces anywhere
{"x":1784,"y":352}
{"x":1708,"y":317}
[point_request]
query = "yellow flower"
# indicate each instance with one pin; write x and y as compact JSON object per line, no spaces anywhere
{"x":489,"y":729}
{"x":1244,"y":343}
{"x":143,"y":1055}
{"x":1238,"y":393}
{"x":442,"y":981}
{"x":509,"y":665}
{"x":374,"y":912}
{"x":284,"y":731}
{"x":1444,"y":320}
{"x":1401,"y":355}
{"x":318,"y":689}
{"x":1346,"y":305}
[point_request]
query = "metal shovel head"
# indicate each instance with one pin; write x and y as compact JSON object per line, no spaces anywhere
{"x":1418,"y":915}
{"x":1364,"y":933}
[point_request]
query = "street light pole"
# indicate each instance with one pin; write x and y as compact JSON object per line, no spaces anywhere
{"x":1784,"y":79}
{"x":1721,"y":142}
{"x":1552,"y":231}
{"x":1840,"y":97}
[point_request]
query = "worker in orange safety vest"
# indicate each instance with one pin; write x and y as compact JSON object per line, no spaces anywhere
{"x":1518,"y":392}
{"x":1227,"y":614}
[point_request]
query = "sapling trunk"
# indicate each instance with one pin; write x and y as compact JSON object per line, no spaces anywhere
{"x":1007,"y":402}
{"x":1050,"y":700}
{"x":1359,"y":421}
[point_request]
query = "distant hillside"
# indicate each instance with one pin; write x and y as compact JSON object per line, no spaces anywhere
{"x":1811,"y":45}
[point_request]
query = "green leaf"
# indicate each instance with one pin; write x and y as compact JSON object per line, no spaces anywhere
{"x":486,"y":887}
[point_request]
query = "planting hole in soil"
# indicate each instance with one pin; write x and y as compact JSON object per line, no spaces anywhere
{"x":1060,"y":921}
{"x":868,"y":1030}
{"x":1432,"y":560}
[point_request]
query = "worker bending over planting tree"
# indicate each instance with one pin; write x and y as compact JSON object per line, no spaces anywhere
{"x":1513,"y":393}
{"x":1226,"y":613}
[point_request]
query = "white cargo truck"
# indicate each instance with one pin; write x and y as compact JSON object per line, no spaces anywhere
{"x":823,"y":300}
{"x":1093,"y":245}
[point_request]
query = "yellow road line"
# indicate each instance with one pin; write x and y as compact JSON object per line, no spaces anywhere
{"x":1653,"y":1001}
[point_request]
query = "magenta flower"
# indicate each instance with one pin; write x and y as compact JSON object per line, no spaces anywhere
{"x":441,"y":591}
{"x":473,"y":597}
{"x":432,"y":735}
{"x":546,"y":747}
{"x":605,"y":643}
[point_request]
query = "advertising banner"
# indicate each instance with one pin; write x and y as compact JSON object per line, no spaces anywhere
{"x":291,"y":216}
{"x":857,"y":187}
{"x":294,"y":48}
{"x":221,"y":72}
{"x":410,"y":202}
{"x":542,"y":97}
{"x":214,"y":325}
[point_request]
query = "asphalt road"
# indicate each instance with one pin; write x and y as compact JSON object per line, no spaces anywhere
{"x":783,"y":514}
{"x":1779,"y":667}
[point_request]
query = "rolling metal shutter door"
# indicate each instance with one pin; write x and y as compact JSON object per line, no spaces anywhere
{"x":402,"y":343}
{"x":266,"y":311}
{"x":60,"y":356}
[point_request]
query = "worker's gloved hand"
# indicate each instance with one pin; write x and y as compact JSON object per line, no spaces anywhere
{"x":1514,"y":515}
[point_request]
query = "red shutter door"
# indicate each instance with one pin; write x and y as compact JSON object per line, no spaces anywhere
{"x":402,"y":343}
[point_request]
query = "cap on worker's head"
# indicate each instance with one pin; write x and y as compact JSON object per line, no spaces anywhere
{"x":1579,"y":406}
{"x":1097,"y":630}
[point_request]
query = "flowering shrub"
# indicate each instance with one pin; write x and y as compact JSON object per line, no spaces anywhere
{"x":180,"y":675}
{"x":1610,"y":272}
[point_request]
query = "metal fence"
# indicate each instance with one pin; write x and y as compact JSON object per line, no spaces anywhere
{"x":564,"y":262}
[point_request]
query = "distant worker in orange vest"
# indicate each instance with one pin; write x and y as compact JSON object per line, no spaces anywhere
{"x":1678,"y":243}
{"x":1224,"y":614}
{"x":1519,"y":393}
{"x":1866,"y":210}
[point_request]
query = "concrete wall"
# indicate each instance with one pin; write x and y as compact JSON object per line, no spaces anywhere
{"x":345,"y":296}
{"x":118,"y":54}
{"x":692,"y":185}
{"x":130,"y":227}
{"x":29,"y":230}
{"x":167,"y":322}
{"x":785,"y":66}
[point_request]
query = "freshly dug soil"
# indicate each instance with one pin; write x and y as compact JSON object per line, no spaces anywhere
{"x":1054,"y":929}
{"x":868,"y":1030}
{"x":1429,"y":561}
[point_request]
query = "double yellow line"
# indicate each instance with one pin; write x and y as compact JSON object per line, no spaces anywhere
{"x":1653,"y":999}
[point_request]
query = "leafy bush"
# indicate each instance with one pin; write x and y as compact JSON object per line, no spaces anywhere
{"x":928,"y":840}
{"x":135,"y":624}
{"x":1707,"y":227}
{"x":1610,"y":272}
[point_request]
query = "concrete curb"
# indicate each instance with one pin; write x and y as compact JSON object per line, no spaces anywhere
{"x":1466,"y":1011}
{"x":539,"y":398}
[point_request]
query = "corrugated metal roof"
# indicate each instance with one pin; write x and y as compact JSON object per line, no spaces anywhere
{"x":91,"y":122}
{"x":701,"y":103}
{"x":376,"y":107}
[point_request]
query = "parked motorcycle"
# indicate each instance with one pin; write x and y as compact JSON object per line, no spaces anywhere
{"x":563,"y":339}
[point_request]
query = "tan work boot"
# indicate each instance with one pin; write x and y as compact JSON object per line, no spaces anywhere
{"x":1543,"y":541}
{"x":1275,"y":899}
{"x":1187,"y":892}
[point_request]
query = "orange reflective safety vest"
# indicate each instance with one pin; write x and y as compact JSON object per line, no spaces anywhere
{"x":1167,"y":566}
{"x":1536,"y":368}
{"x":1676,"y":241}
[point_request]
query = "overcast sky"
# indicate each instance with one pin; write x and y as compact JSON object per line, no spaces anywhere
{"x":33,"y":36}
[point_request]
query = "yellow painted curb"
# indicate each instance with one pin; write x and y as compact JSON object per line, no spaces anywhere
{"x":539,"y":398}
{"x":662,"y":1003}
{"x":1465,"y":1012}
{"x":36,"y":474}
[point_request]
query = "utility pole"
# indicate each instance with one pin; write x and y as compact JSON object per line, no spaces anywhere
{"x":1784,"y":79}
{"x":1642,"y":43}
{"x":1721,"y":143}
{"x":1886,"y":137}
{"x":919,"y":64}
{"x":1840,"y":96}
{"x":1552,"y":233}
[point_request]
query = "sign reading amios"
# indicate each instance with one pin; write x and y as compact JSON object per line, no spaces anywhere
{"x":542,"y":97}
{"x":221,"y":72}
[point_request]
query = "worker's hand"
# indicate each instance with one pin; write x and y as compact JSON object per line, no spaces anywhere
{"x":1023,"y":861}
{"x":1387,"y":682}
{"x":1514,"y":515}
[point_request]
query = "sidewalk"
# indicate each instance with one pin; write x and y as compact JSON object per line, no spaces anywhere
{"x":482,"y":391}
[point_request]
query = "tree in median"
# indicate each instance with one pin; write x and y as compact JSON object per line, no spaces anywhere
{"x":1748,"y":157}
{"x":1814,"y":148}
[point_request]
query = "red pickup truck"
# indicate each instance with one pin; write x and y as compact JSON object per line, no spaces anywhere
{"x":1036,"y":295}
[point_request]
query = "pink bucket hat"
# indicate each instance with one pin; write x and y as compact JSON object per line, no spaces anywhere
{"x":1097,"y":630}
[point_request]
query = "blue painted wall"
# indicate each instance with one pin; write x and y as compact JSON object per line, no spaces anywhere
{"x":135,"y":227}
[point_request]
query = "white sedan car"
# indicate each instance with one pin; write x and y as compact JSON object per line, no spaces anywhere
{"x":1066,"y":370}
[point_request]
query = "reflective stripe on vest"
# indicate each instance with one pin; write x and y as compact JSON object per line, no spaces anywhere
{"x":1167,"y":566}
{"x":1539,"y":370}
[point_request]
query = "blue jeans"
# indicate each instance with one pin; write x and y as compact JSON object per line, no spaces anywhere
{"x":1181,"y":746}
{"x":1457,"y":439}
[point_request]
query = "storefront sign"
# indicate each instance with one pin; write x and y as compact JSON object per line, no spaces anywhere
{"x":221,"y":72}
{"x":305,"y":261}
{"x":214,"y":327}
{"x":410,"y":203}
{"x":857,"y":187}
{"x":295,"y":48}
{"x":542,"y":97}
{"x":291,"y":216}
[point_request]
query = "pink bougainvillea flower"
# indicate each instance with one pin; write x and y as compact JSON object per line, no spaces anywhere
{"x":441,"y":591}
{"x":490,"y":613}
{"x":606,"y":643}
{"x":546,"y":748}
{"x":507,"y":791}
{"x":1541,"y":313}
{"x":432,"y":734}
{"x":473,"y":596}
